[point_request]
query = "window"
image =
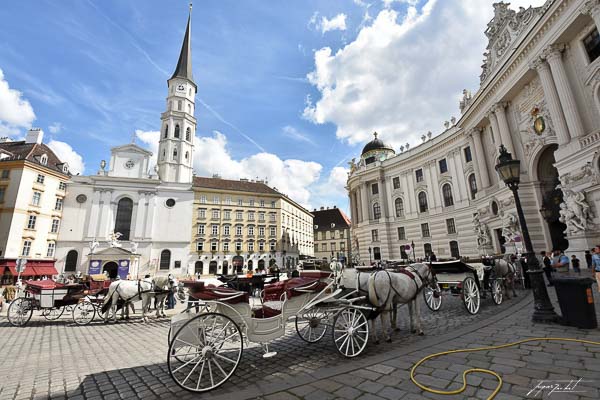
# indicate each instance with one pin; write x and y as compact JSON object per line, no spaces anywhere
{"x":238,"y":230}
{"x":261,"y":246}
{"x":450,"y":226}
{"x":454,"y":251}
{"x":201,"y":229}
{"x":447,"y":194}
{"x":177,"y":130}
{"x":261,"y":216}
{"x":468,"y":156}
{"x":443,"y":166}
{"x":199,"y":246}
{"x":179,"y":104}
{"x":272,"y":246}
{"x":324,"y":247}
{"x":375,"y":188}
{"x":215,"y":214}
{"x":250,"y":216}
{"x":495,"y":208}
{"x":226,"y":246}
{"x":250,"y":246}
{"x":170,"y":203}
{"x":165,"y":259}
{"x":422,"y":202}
{"x":341,"y":234}
{"x":592,"y":45}
{"x":226,"y":230}
{"x":399,"y":204}
{"x":5,"y":173}
{"x":238,"y":246}
{"x":203,"y":199}
{"x":472,"y":186}
{"x":376,"y":253}
{"x":227,"y":214}
{"x":214,"y":229}
{"x":35,"y":200}
{"x":401,"y":233}
{"x":216,"y":200}
{"x":228,"y":201}
{"x":213,"y":246}
{"x":396,"y":182}
{"x":251,"y":230}
{"x":375,"y":235}
{"x":2,"y":193}
{"x":261,"y":231}
{"x":272,"y":217}
{"x":62,"y":186}
{"x":44,"y":159}
{"x":332,"y":246}
{"x":51,"y":248}
{"x":31,"y":222}
{"x":40,"y":178}
{"x":419,"y":175}
{"x":26,"y":248}
{"x":427,"y":249}
{"x":71,"y":261}
{"x":376,"y":211}
{"x":188,"y":134}
{"x":166,"y":131}
{"x":272,"y":231}
{"x":239,"y":215}
{"x":174,"y":154}
{"x":272,"y":204}
{"x":202,"y":213}
{"x":123,"y":220}
{"x":55,"y":226}
{"x":342,"y":246}
{"x":251,"y":203}
{"x":262,"y":203}
{"x":425,"y":230}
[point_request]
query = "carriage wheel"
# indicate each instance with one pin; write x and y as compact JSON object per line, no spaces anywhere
{"x":20,"y":311}
{"x":433,"y":298}
{"x":84,"y":313}
{"x":52,"y":314}
{"x":205,"y":352}
{"x":470,"y":293}
{"x":312,"y":325}
{"x":350,"y":332}
{"x":497,"y":291}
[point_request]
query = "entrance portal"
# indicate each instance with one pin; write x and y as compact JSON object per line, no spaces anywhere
{"x":551,"y":197}
{"x":112,"y":268}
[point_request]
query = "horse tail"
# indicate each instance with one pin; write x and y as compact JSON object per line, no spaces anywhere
{"x":107,"y":300}
{"x":372,"y":292}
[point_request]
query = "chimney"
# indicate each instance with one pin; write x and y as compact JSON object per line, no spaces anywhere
{"x":322,"y":208}
{"x":334,"y":207}
{"x":4,"y":139}
{"x":34,"y":135}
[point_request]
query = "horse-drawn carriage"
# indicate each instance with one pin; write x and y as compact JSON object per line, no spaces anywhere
{"x":464,"y":280}
{"x":206,"y":341}
{"x":54,"y":298}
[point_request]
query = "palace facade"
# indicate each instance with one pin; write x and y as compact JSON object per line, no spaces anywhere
{"x":539,"y":96}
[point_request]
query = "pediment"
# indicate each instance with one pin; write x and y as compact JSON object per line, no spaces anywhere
{"x":130,"y":148}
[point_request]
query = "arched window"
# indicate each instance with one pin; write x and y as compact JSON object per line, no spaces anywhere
{"x":188,"y":134}
{"x":179,"y":104}
{"x":199,"y":268}
{"x":377,"y":253}
{"x":165,"y":259}
{"x":454,"y":251}
{"x":71,"y":261}
{"x":423,"y":207}
{"x":427,"y":249}
{"x":44,"y":159}
{"x":123,"y":220}
{"x":399,"y":207}
{"x":212,"y":268}
{"x":376,"y":211}
{"x":166,"y":131}
{"x":177,"y":131}
{"x":164,"y":154}
{"x":472,"y":186}
{"x":225,"y":267}
{"x":174,"y":154}
{"x":447,"y":194}
{"x":187,"y":155}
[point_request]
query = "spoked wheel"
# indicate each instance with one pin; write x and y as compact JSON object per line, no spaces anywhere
{"x":312,"y":325}
{"x":205,"y":352}
{"x":433,"y":298}
{"x":350,"y":332}
{"x":20,"y":311}
{"x":52,"y":314}
{"x":497,"y":291}
{"x":84,"y":313}
{"x":470,"y":293}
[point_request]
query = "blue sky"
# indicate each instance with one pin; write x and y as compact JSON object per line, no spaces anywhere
{"x":272,"y":101}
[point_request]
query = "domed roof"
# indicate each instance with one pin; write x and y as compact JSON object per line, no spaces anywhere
{"x":375,"y":144}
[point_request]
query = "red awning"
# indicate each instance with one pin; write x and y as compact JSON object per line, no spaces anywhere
{"x":33,"y":271}
{"x":29,"y":271}
{"x":45,"y":270}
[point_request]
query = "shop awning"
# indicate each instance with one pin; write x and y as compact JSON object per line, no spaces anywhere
{"x":45,"y":270}
{"x":33,"y":271}
{"x":29,"y":271}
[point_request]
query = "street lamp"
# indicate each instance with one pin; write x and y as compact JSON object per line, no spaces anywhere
{"x":412,"y":244}
{"x":509,"y":171}
{"x":369,"y":255}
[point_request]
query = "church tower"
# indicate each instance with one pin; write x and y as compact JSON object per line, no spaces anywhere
{"x":176,"y":145}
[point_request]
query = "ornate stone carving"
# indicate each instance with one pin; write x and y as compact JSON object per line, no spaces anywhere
{"x":484,"y":239}
{"x":535,"y":139}
{"x":574,"y":211}
{"x":507,"y":202}
{"x":93,"y":246}
{"x":586,"y":171}
{"x":591,"y":7}
{"x":553,"y":51}
{"x":134,"y":247}
{"x":466,"y":100}
{"x":113,"y":239}
{"x":510,"y":227}
{"x":502,"y":31}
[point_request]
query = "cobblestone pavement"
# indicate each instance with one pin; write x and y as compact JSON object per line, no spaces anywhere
{"x":127,"y":360}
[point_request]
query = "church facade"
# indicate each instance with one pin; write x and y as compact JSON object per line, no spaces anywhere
{"x":539,"y":96}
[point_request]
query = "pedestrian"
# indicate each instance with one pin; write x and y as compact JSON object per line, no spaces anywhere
{"x":171,"y":300}
{"x":588,"y":258}
{"x":547,"y":263}
{"x":575,"y":263}
{"x":596,"y":264}
{"x":560,"y":262}
{"x":432,"y":257}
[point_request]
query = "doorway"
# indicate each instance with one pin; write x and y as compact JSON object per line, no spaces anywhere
{"x":112,"y":269}
{"x":551,"y":197}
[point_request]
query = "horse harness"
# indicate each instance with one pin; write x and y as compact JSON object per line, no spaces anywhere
{"x":153,"y":289}
{"x":408,"y":273}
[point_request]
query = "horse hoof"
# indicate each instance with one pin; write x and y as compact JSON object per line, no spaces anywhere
{"x":421,"y":333}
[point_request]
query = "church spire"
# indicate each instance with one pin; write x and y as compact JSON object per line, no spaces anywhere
{"x":184,"y":64}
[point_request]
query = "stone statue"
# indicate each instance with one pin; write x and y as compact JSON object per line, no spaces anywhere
{"x":113,"y":239}
{"x":510,"y":227}
{"x":134,"y":247}
{"x":93,"y":246}
{"x":568,"y":218}
{"x":353,"y":166}
{"x":574,"y":210}
{"x":482,"y":231}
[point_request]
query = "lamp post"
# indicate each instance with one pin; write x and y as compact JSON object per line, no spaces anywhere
{"x":412,"y":244}
{"x":369,"y":255}
{"x":509,"y":171}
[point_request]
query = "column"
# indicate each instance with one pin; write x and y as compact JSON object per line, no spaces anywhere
{"x":434,"y":194}
{"x":592,"y":8}
{"x":364,"y":202}
{"x":93,"y":218}
{"x":552,"y":99}
{"x":385,"y":204}
{"x":483,"y":179}
{"x":150,"y":216}
{"x":410,"y":176}
{"x":139,"y":216}
{"x":495,"y":129}
{"x":553,"y":55}
{"x":102,"y":214}
{"x":505,"y":136}
{"x":408,"y":200}
{"x":458,"y":182}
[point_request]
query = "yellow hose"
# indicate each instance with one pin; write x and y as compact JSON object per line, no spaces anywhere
{"x":484,"y":371}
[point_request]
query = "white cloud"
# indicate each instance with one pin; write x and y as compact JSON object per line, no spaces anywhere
{"x":211,"y":156}
{"x":403,"y":74}
{"x":295,"y":134}
{"x":65,"y":153}
{"x":325,"y":24}
{"x":331,"y":191}
{"x":15,"y":111}
{"x":55,"y":127}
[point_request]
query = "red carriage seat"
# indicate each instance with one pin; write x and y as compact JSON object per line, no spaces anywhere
{"x":292,"y":287}
{"x":226,"y":295}
{"x":46,"y":285}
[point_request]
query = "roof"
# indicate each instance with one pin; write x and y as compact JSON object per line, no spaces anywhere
{"x":184,"y":64}
{"x":376,"y":144}
{"x":324,"y":218}
{"x":231,"y":185}
{"x":31,"y":152}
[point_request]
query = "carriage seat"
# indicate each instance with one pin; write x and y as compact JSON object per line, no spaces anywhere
{"x":45,"y":285}
{"x":292,"y":287}
{"x":200,"y":292}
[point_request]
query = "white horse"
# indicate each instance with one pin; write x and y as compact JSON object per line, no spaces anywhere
{"x":387,"y":289}
{"x":144,"y":290}
{"x":506,"y":270}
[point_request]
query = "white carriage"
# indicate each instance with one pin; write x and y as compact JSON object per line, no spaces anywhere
{"x":206,"y":341}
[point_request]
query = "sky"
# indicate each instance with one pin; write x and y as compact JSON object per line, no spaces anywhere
{"x":288,"y":91}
